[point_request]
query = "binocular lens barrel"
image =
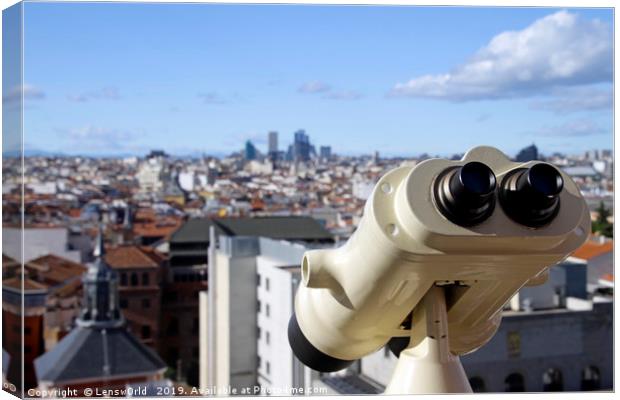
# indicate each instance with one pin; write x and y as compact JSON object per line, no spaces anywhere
{"x":466,"y":195}
{"x":530,"y":196}
{"x":310,"y":355}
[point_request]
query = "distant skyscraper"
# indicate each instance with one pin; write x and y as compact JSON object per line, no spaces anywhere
{"x":157,"y":154}
{"x":273,"y":142}
{"x":290,"y":156}
{"x":250,"y":151}
{"x":528,"y":154}
{"x":326,"y":152}
{"x":301,"y":146}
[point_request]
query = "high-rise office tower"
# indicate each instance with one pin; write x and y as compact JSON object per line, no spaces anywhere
{"x":250,"y":151}
{"x":326,"y":152}
{"x":301,"y":146}
{"x":273,"y":142}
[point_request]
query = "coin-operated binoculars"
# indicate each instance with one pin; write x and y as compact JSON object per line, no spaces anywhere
{"x":441,"y":248}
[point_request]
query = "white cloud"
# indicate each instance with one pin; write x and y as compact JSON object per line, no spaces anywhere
{"x":106,"y":93}
{"x":314,"y":87}
{"x":30,"y":92}
{"x":561,"y":49}
{"x":575,"y":100}
{"x":343,"y":95}
{"x":483,"y":117}
{"x":318,"y":87}
{"x":212,"y":98}
{"x":97,"y":138}
{"x":580,"y":127}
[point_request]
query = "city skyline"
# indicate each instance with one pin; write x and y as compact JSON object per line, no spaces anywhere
{"x":103,"y":79}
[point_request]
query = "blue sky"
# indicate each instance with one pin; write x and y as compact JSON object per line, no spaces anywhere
{"x":106,"y":78}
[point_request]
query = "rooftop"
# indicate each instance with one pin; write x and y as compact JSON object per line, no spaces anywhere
{"x":351,"y":384}
{"x":90,"y":354}
{"x":274,"y":227}
{"x":29,"y":284}
{"x":193,"y":230}
{"x":288,"y":228}
{"x":54,"y":270}
{"x":592,"y":249}
{"x":132,"y":256}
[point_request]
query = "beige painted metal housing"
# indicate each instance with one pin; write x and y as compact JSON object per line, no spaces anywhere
{"x":354,"y":299}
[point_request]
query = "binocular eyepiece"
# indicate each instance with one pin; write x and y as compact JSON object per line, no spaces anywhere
{"x":530,"y":196}
{"x":466,"y":195}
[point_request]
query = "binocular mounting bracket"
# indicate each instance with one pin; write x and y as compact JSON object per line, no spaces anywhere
{"x":427,"y":365}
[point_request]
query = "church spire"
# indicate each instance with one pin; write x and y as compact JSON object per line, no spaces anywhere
{"x":101,"y":305}
{"x":99,"y":250}
{"x":127,"y":217}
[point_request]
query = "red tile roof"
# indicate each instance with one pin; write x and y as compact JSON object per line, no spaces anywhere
{"x":134,"y":257}
{"x":52,"y":269}
{"x":591,"y":249}
{"x":29,"y":284}
{"x":8,"y":262}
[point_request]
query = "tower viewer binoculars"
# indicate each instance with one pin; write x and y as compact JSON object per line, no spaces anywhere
{"x":479,"y":228}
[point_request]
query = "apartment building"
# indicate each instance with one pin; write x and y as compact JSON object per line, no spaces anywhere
{"x":140,"y":269}
{"x":253,"y":281}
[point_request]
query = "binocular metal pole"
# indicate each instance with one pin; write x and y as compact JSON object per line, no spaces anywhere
{"x":426,"y":365}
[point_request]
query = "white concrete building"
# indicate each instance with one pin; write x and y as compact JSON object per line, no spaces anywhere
{"x":362,"y":188}
{"x":277,"y":284}
{"x":151,"y":175}
{"x":38,"y":242}
{"x":252,"y":283}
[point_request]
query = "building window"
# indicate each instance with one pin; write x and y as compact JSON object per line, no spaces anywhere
{"x":146,"y":303}
{"x":258,"y":280}
{"x":477,"y":384}
{"x":258,"y":306}
{"x":514,"y":383}
{"x":146,"y":331}
{"x":268,"y":337}
{"x":514,"y":344}
{"x":590,"y":379}
{"x":268,"y":368}
{"x":173,"y":326}
{"x":124,"y":303}
{"x":145,"y":279}
{"x":134,"y":279}
{"x":195,"y":326}
{"x":170,"y":297}
{"x":123,"y":279}
{"x":267,"y":284}
{"x":258,"y":362}
{"x":552,"y":380}
{"x":258,"y":332}
{"x":267,"y":310}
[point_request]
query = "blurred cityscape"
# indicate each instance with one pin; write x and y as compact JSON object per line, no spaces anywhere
{"x":176,"y":276}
